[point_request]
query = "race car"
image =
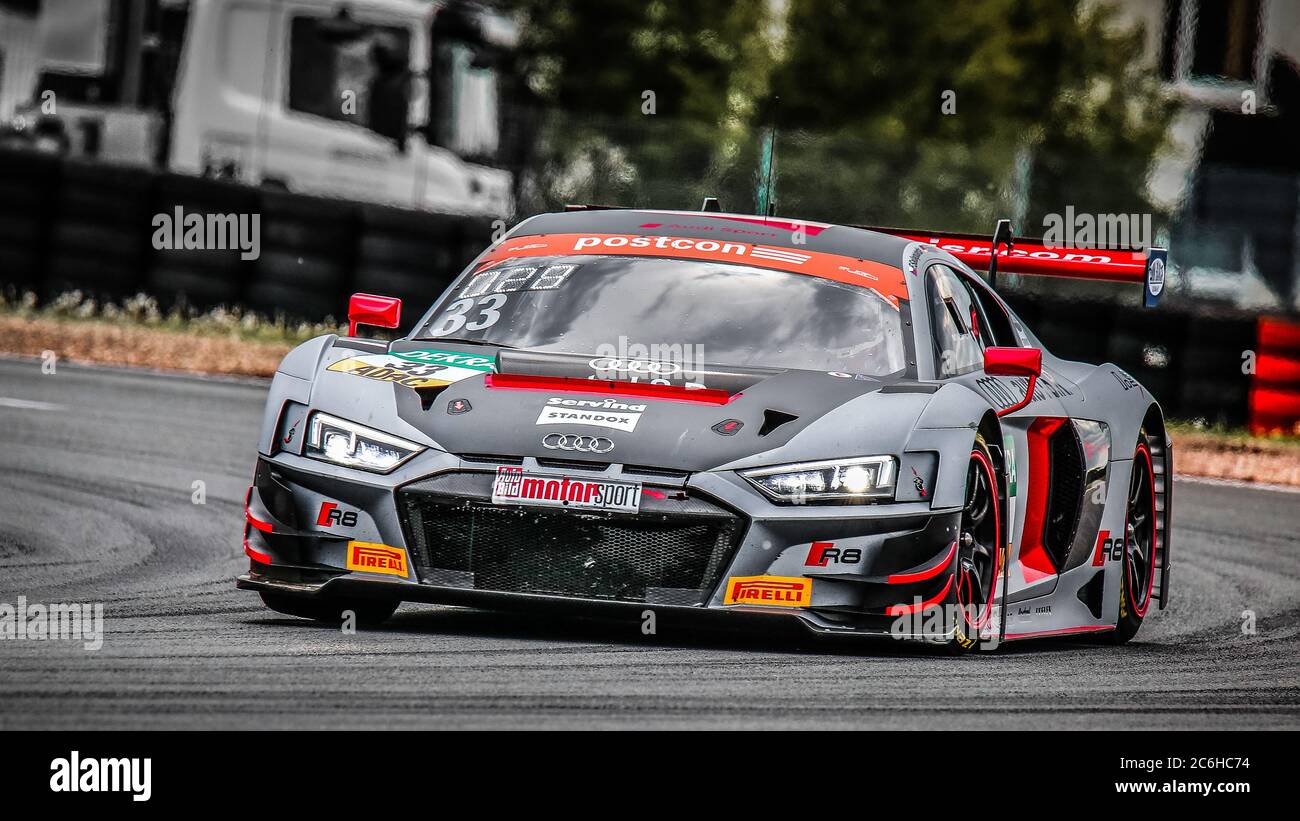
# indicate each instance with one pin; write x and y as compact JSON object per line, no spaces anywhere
{"x":722,"y":417}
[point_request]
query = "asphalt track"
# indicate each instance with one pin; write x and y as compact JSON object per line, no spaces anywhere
{"x":97,"y":472}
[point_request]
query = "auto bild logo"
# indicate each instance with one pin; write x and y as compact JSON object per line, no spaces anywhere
{"x":769,"y":591}
{"x":577,"y":443}
{"x":604,"y":413}
{"x":513,"y":486}
{"x":376,"y":558}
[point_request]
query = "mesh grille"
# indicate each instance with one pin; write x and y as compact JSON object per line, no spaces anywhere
{"x":672,"y":552}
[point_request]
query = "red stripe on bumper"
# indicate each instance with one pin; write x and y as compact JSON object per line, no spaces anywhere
{"x":906,"y":609}
{"x":924,"y":575}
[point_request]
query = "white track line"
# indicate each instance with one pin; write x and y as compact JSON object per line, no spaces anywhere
{"x":1206,"y":480}
{"x":28,"y":404}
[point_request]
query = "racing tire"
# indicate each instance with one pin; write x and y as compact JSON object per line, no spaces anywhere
{"x":977,"y":565}
{"x":369,"y":612}
{"x":1139,"y":571}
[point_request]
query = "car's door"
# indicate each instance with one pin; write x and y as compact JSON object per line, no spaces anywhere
{"x":965,"y":319}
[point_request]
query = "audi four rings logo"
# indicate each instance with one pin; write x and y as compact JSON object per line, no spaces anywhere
{"x":635,"y":366}
{"x":573,"y":441}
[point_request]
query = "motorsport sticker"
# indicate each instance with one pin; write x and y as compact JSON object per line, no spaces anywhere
{"x":513,"y":486}
{"x":376,"y":558}
{"x":604,"y":413}
{"x":770,"y":591}
{"x":416,"y":369}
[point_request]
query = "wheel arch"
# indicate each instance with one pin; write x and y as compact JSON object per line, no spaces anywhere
{"x":1162,"y":462}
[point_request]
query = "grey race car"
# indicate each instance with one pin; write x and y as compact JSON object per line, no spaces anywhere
{"x":720,"y":416}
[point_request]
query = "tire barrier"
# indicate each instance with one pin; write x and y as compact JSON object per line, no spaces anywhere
{"x":1192,"y":362}
{"x":75,"y":225}
{"x":1275,"y":389}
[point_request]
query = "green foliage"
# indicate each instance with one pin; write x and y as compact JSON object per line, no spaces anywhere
{"x":1053,"y":107}
{"x":591,"y":65}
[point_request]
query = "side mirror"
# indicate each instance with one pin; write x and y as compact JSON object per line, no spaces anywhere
{"x":370,"y":309}
{"x":1026,"y":362}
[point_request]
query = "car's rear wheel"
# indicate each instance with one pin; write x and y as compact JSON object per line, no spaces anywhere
{"x":368,"y":612}
{"x":1139,"y":569}
{"x":979,"y":550}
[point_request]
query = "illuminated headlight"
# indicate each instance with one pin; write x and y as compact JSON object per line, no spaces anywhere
{"x":858,"y":480}
{"x":331,"y":439}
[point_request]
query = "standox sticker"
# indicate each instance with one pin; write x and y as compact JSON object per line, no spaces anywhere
{"x":769,"y":591}
{"x":376,"y":558}
{"x":604,"y":413}
{"x":416,"y":369}
{"x":513,"y":486}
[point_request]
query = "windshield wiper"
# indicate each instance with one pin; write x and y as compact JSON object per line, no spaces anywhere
{"x":462,"y":341}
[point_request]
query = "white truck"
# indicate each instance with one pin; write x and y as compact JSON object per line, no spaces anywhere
{"x":392,"y":101}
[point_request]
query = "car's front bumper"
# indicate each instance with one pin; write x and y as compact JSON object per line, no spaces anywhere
{"x":863,"y":566}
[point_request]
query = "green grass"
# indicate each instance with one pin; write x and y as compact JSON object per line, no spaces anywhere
{"x":143,"y":311}
{"x":1228,"y":435}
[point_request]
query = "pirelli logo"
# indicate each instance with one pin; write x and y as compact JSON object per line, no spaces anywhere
{"x":376,"y":558}
{"x":769,"y":591}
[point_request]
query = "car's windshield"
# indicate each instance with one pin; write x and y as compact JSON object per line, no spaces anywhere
{"x":723,"y":313}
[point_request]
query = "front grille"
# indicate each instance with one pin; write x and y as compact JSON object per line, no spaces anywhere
{"x":672,"y":552}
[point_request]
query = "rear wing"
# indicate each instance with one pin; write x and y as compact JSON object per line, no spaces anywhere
{"x":1034,"y":257}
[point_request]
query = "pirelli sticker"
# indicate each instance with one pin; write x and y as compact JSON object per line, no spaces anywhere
{"x":769,"y":591}
{"x":416,"y":369}
{"x":369,"y":557}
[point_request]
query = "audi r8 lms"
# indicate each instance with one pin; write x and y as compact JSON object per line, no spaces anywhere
{"x":723,"y":416}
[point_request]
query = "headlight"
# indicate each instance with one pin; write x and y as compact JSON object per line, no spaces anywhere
{"x":847,"y":481}
{"x":331,"y":439}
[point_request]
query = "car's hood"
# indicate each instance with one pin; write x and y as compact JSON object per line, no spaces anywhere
{"x":503,"y":403}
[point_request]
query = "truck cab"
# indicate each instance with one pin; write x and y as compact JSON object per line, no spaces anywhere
{"x":392,"y":101}
{"x":379,"y":100}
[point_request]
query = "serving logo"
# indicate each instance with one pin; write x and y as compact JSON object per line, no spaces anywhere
{"x":604,"y":413}
{"x":770,"y":591}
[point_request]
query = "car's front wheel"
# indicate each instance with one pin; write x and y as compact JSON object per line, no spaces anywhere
{"x":367,"y":612}
{"x":979,"y":550}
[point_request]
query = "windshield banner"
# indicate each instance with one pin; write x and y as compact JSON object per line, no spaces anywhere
{"x":885,"y":280}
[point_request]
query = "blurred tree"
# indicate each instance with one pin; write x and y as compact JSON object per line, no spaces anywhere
{"x":649,"y":102}
{"x":906,"y":113}
{"x":927,"y":114}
